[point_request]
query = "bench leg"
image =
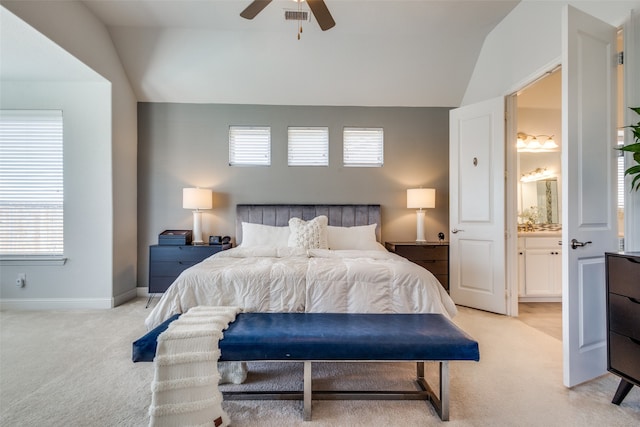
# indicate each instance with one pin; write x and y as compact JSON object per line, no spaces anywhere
{"x":444,"y":390}
{"x":307,"y":391}
{"x":440,"y":403}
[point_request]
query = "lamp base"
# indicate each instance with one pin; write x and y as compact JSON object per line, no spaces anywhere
{"x":420,"y":227}
{"x":197,"y":228}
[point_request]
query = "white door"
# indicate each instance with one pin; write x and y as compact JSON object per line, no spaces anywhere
{"x":588,"y":189}
{"x":476,"y":205}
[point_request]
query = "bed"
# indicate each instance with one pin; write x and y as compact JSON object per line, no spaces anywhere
{"x":306,"y":258}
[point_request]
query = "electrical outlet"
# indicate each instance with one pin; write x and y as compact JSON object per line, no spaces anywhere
{"x":21,"y":281}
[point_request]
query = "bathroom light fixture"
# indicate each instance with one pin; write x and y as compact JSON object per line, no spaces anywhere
{"x":536,"y":175}
{"x":421,"y":198}
{"x":197,"y":198}
{"x":533,"y":144}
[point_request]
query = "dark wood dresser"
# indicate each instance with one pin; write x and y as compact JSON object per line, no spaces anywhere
{"x":432,"y":256}
{"x":623,"y":320}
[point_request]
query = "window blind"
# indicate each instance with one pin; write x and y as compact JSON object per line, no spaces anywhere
{"x":621,"y":170}
{"x":31,"y":183}
{"x":249,"y":146}
{"x":363,"y":147}
{"x":308,"y":146}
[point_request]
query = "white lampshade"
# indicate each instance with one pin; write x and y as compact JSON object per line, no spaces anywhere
{"x":197,"y":198}
{"x":419,"y":198}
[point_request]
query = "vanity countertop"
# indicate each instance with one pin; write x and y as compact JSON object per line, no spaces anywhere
{"x":539,"y":233}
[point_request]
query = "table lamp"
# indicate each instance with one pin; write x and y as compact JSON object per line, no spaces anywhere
{"x":196,"y":199}
{"x":420,"y":198}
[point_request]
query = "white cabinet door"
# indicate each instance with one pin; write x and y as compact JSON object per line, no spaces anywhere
{"x":543,"y":274}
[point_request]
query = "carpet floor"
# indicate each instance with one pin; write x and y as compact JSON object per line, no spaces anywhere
{"x":73,"y":368}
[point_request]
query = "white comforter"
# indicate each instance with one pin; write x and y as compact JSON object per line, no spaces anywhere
{"x":305,"y":280}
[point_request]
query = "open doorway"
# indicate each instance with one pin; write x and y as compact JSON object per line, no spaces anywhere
{"x":538,"y":115}
{"x":538,"y":128}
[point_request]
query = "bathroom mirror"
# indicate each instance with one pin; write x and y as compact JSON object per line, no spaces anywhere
{"x":542,"y":195}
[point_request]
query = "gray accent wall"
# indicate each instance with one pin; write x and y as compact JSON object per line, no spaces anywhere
{"x":187,"y":145}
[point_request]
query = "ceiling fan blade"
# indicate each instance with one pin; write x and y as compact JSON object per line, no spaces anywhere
{"x":254,"y":8}
{"x":322,"y":14}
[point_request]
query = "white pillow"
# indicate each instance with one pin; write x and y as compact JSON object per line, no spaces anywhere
{"x":308,"y":234}
{"x":264,"y":235}
{"x":361,"y":237}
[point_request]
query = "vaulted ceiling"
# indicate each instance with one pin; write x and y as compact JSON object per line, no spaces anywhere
{"x":380,"y":53}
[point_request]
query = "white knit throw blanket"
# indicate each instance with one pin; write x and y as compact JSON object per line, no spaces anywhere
{"x":185,"y":386}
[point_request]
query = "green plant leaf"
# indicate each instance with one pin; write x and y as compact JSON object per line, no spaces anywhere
{"x":635,"y":149}
{"x":632,"y":170}
{"x":632,"y":148}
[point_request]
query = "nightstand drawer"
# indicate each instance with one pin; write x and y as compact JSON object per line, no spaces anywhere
{"x":182,"y":253}
{"x":170,"y":268}
{"x":624,"y":275}
{"x":444,"y":280}
{"x":419,"y":252}
{"x":159,"y":284}
{"x":624,"y":316}
{"x":166,"y":262}
{"x":624,"y":354}
{"x":435,"y":267}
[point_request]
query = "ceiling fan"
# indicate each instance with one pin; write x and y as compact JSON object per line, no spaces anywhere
{"x":318,"y":8}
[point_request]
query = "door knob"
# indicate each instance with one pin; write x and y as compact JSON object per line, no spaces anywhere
{"x":455,"y":231}
{"x":575,"y":244}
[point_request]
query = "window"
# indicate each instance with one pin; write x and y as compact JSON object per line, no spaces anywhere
{"x":249,"y":146}
{"x":621,"y":190}
{"x":31,"y":183}
{"x":363,"y":147}
{"x":621,"y":170}
{"x":308,"y":146}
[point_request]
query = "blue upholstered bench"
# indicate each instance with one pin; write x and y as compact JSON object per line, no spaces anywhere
{"x":321,"y":337}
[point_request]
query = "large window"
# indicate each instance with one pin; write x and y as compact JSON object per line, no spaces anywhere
{"x":249,"y":146}
{"x":363,"y":147}
{"x":31,"y":183}
{"x":308,"y":146}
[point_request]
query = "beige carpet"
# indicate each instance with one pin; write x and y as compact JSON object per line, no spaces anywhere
{"x":73,"y":368}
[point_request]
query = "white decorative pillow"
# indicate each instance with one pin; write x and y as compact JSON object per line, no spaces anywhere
{"x":264,"y":235}
{"x":308,"y":234}
{"x":362,"y":237}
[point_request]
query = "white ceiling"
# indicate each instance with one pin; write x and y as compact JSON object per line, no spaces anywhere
{"x":380,"y":53}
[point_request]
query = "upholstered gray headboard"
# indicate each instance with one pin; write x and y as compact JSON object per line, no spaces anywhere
{"x":279,"y":215}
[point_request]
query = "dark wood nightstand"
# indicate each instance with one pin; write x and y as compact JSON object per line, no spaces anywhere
{"x":166,"y":262}
{"x":623,"y":320}
{"x":432,"y":256}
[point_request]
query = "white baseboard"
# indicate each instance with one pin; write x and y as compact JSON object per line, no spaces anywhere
{"x":68,"y":303}
{"x":127,"y":296}
{"x":142,"y":291}
{"x":55,"y":303}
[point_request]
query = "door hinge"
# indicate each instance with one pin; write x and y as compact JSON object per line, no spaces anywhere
{"x":620,"y":58}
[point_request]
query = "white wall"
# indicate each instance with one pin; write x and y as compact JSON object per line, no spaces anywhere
{"x":85,"y":279}
{"x":528,"y":42}
{"x":73,"y":27}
